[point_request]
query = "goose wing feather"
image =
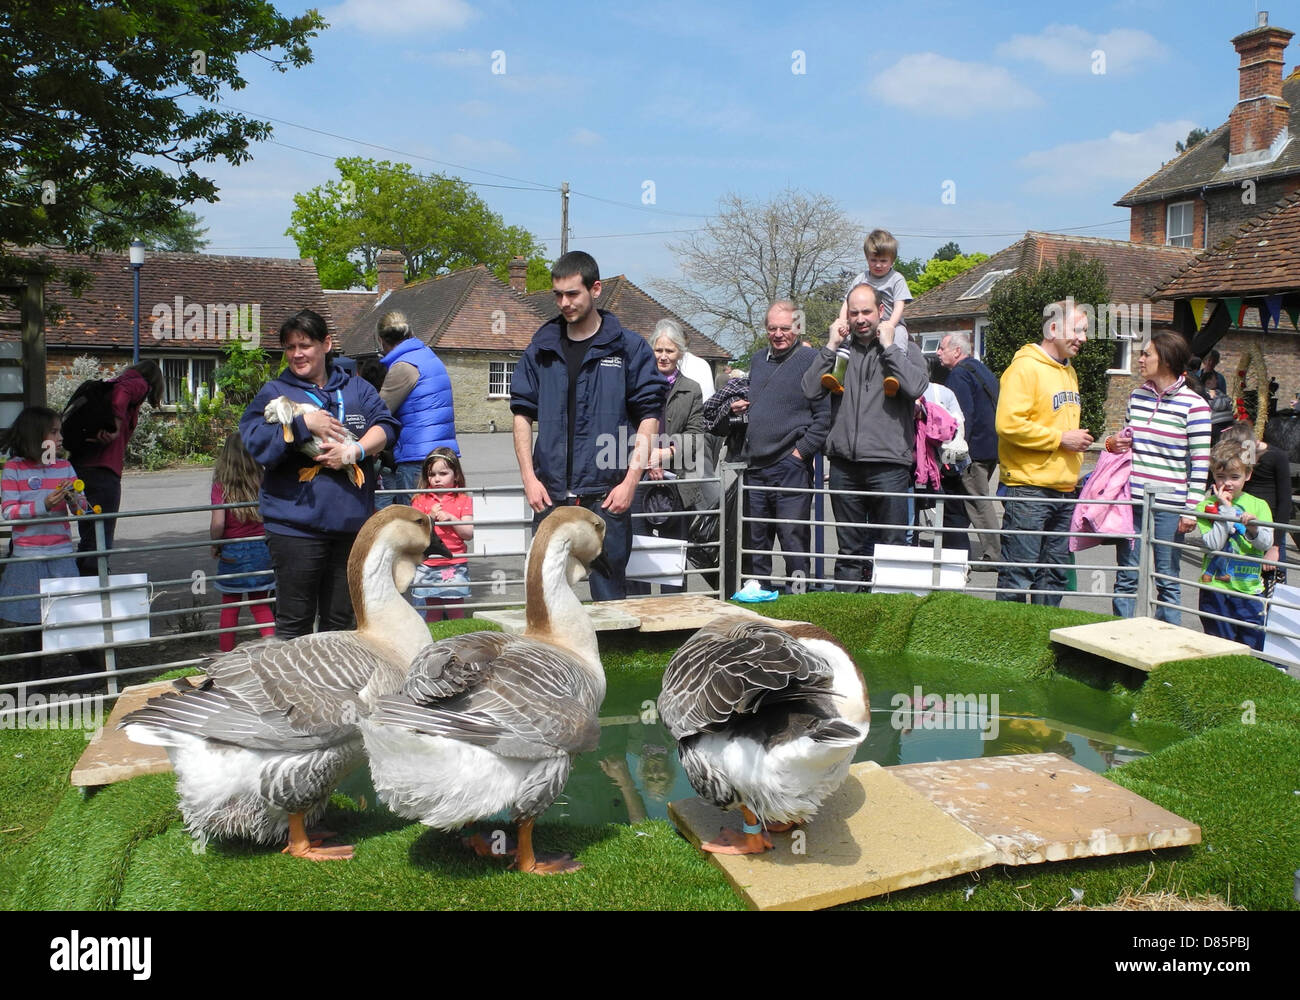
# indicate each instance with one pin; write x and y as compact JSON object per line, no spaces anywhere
{"x":219,"y":717}
{"x":515,"y":696}
{"x":728,"y":669}
{"x":312,"y":680}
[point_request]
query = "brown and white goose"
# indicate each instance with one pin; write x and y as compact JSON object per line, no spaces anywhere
{"x":260,"y":747}
{"x":488,"y":721}
{"x":766,"y":720}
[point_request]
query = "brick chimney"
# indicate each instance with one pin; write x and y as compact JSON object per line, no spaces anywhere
{"x":519,"y":274}
{"x":1261,"y":114}
{"x":392,"y":272}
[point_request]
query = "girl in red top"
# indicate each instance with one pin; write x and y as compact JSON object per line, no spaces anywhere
{"x":444,"y":583}
{"x":243,"y":567}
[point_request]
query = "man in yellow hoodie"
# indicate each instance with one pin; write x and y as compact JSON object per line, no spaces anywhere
{"x":1040,"y":451}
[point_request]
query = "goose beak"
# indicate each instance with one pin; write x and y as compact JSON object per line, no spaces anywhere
{"x":436,"y":547}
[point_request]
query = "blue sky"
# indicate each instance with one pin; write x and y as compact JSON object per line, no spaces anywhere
{"x":895,"y":100}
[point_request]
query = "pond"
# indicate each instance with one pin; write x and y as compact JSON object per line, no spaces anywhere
{"x":634,"y":773}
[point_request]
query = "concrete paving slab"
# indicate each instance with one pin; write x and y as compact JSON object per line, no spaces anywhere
{"x":874,"y":835}
{"x":1145,"y":643}
{"x":603,"y":619}
{"x":111,"y":756}
{"x":678,"y":612}
{"x":1041,"y":807}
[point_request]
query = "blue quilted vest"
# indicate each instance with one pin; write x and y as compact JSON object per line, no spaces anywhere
{"x":427,"y":415}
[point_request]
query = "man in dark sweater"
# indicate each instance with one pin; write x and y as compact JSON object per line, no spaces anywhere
{"x":785,"y":431}
{"x":976,"y":389}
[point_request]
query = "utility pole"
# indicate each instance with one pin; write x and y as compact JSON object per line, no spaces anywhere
{"x":564,"y":218}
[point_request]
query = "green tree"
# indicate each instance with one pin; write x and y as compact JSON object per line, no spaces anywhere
{"x":941,"y":269}
{"x":909,"y":269}
{"x":242,"y":373}
{"x":1193,"y":137}
{"x":92,"y":98}
{"x":948,"y":251}
{"x":437,"y":223}
{"x":182,"y":233}
{"x":1016,"y":313}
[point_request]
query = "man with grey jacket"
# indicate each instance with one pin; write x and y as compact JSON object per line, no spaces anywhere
{"x":872,"y":439}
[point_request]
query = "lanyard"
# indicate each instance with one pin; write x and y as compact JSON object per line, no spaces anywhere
{"x":321,"y":403}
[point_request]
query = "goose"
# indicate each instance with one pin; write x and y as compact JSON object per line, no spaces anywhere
{"x":766,"y":719}
{"x":259,"y":747}
{"x":282,"y":410}
{"x":489,"y":721}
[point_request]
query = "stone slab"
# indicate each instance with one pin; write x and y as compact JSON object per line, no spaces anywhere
{"x":679,"y":612}
{"x":111,"y":756}
{"x":603,"y":619}
{"x":1145,"y":643}
{"x":1041,"y":807}
{"x":874,"y":835}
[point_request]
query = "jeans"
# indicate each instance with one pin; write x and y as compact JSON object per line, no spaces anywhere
{"x":311,"y":581}
{"x":1027,"y":508}
{"x":1165,"y":559}
{"x":618,"y":546}
{"x":763,"y":506}
{"x":887,"y":516}
{"x":405,"y":477}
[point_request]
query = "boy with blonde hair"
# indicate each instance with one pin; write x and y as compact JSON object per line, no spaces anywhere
{"x":892,"y":294}
{"x":1233,"y":584}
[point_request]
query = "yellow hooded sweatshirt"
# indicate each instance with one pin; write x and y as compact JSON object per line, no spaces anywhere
{"x":1038,"y":402}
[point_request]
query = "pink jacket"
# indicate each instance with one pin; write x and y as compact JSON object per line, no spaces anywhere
{"x":1104,"y":521}
{"x":934,"y":426}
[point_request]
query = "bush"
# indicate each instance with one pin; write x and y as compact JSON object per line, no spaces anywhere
{"x":1016,"y":319}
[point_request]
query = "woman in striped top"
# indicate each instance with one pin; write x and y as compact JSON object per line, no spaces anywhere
{"x":1171,"y":460}
{"x":36,"y":483}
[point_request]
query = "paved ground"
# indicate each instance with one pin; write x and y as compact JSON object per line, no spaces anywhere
{"x":489,"y":461}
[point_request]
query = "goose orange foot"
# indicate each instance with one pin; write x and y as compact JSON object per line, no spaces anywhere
{"x":730,"y":841}
{"x":302,"y":846}
{"x":308,"y":474}
{"x":481,"y":846}
{"x":526,"y":860}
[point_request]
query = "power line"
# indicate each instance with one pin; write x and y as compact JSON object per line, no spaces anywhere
{"x":641,"y":208}
{"x":327,"y":156}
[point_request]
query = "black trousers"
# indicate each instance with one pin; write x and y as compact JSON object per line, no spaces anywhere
{"x":311,"y":582}
{"x":103,"y":487}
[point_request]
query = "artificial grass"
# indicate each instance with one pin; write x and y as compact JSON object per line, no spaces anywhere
{"x":124,"y":847}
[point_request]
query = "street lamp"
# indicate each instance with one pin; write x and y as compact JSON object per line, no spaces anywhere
{"x":137,"y":262}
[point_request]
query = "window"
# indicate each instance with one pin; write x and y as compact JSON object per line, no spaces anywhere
{"x":985,"y":285}
{"x":977,"y":339}
{"x":1178,"y":224}
{"x":1122,"y":357}
{"x":187,"y":378}
{"x":499,"y":374}
{"x":930,"y":343}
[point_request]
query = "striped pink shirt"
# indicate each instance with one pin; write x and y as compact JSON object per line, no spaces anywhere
{"x":23,"y":490}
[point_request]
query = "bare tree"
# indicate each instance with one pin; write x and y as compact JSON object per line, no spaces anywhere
{"x":751,"y":254}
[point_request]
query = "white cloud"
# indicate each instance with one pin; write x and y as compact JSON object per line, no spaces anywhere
{"x":1120,"y":158}
{"x":392,"y":17}
{"x":585,"y":137}
{"x":464,"y":147}
{"x":928,"y":83}
{"x":1069,"y":49}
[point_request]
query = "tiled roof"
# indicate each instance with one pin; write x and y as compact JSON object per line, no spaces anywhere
{"x":470,"y":309}
{"x":101,"y":317}
{"x":637,"y":311}
{"x":1203,"y":164}
{"x":1132,"y":269}
{"x":1262,"y":258}
{"x":346,"y":307}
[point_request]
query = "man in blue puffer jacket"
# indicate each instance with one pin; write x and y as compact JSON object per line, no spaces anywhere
{"x":417,"y":391}
{"x":596,"y":394}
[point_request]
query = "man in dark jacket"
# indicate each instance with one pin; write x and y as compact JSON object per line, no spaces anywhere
{"x":785,"y":432}
{"x":596,"y":394}
{"x":976,"y":389}
{"x":872,"y":440}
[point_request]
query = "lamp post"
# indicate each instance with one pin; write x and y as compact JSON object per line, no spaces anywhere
{"x":137,"y":262}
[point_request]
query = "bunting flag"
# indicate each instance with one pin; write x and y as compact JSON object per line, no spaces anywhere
{"x":1198,"y":311}
{"x":1293,"y":314}
{"x":1236,"y":308}
{"x":1272,"y":311}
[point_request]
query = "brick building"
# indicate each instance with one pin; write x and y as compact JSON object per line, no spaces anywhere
{"x":480,"y":326}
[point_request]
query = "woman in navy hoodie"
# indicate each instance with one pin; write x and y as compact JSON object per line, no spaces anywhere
{"x":310,"y":526}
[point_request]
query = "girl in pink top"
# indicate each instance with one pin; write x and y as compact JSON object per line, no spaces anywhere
{"x":444,"y":583}
{"x":243,"y":560}
{"x":36,"y":484}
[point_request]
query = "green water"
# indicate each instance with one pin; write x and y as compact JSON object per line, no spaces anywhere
{"x":634,"y":773}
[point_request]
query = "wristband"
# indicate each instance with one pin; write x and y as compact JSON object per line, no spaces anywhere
{"x":361,"y":452}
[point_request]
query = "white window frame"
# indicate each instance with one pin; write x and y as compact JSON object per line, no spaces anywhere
{"x":1126,"y":358}
{"x":985,"y":285}
{"x":1190,"y":222}
{"x":189,"y":385}
{"x":977,"y":338}
{"x":507,"y":370}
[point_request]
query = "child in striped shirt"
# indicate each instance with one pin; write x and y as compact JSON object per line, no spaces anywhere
{"x":36,"y":483}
